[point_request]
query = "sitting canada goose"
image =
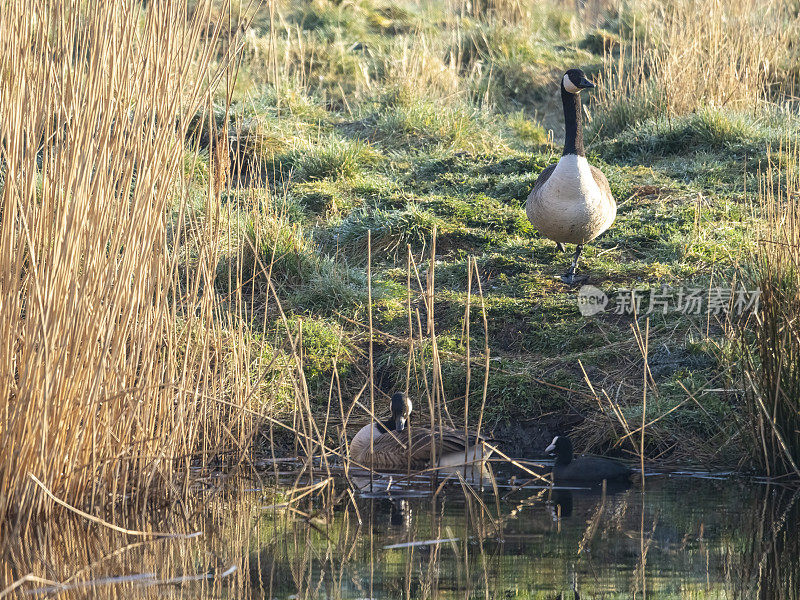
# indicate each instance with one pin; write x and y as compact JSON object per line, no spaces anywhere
{"x":571,"y":202}
{"x":584,"y":468}
{"x":390,"y":441}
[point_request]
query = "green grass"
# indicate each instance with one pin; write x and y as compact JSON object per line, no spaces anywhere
{"x":403,"y":120}
{"x":391,"y":230}
{"x":331,"y":157}
{"x":709,"y":130}
{"x":312,"y":281}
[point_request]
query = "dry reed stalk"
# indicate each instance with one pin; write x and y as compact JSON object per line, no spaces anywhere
{"x":428,"y":395}
{"x":434,"y":402}
{"x":467,"y":361}
{"x":486,"y":356}
{"x":646,"y":371}
{"x":410,"y":346}
{"x":371,"y":365}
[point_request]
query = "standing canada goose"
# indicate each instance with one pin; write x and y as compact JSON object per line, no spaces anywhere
{"x":583,"y":468}
{"x":390,"y":440}
{"x":571,"y":202}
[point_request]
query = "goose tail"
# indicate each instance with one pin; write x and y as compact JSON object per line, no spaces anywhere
{"x":472,"y":461}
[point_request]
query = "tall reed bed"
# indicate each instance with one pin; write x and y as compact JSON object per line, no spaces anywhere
{"x":772,"y":357}
{"x":108,"y":352}
{"x":683,"y":55}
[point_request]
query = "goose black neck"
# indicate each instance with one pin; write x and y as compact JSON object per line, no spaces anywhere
{"x":387,"y":425}
{"x":563,"y":460}
{"x":573,"y":123}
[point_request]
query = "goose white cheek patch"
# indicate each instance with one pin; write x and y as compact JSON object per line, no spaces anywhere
{"x":569,"y":86}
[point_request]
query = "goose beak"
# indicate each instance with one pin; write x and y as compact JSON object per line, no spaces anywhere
{"x":585,"y":84}
{"x":550,"y":449}
{"x":399,"y":423}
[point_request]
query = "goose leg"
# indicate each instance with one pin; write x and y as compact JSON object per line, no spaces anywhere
{"x":569,"y":276}
{"x":560,"y":247}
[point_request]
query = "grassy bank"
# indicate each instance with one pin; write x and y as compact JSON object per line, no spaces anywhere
{"x":197,"y":212}
{"x":403,"y":120}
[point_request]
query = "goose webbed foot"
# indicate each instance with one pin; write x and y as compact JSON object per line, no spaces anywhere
{"x":569,"y":277}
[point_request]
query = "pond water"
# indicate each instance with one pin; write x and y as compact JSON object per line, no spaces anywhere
{"x":682,"y":537}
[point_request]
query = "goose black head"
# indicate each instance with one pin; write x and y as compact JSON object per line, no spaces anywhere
{"x":401,"y":409}
{"x":561,"y":447}
{"x":575,"y":80}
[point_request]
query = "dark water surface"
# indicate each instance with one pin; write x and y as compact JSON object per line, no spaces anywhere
{"x":683,"y":537}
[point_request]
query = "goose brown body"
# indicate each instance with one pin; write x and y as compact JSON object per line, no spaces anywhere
{"x":392,"y":446}
{"x":389,"y":448}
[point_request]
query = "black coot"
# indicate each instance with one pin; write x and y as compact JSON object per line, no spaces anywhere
{"x":583,"y":468}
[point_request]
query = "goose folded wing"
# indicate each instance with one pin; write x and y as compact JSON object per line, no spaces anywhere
{"x":544,"y":176}
{"x":445,"y":441}
{"x":601,"y":181}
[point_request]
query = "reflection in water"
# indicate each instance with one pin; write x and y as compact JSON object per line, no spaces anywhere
{"x":771,"y":565}
{"x":699,"y":538}
{"x":561,"y":501}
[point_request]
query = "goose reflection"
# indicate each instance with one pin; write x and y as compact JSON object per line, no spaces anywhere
{"x":560,"y":504}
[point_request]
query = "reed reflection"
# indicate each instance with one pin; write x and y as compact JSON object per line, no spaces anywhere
{"x":702,"y":538}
